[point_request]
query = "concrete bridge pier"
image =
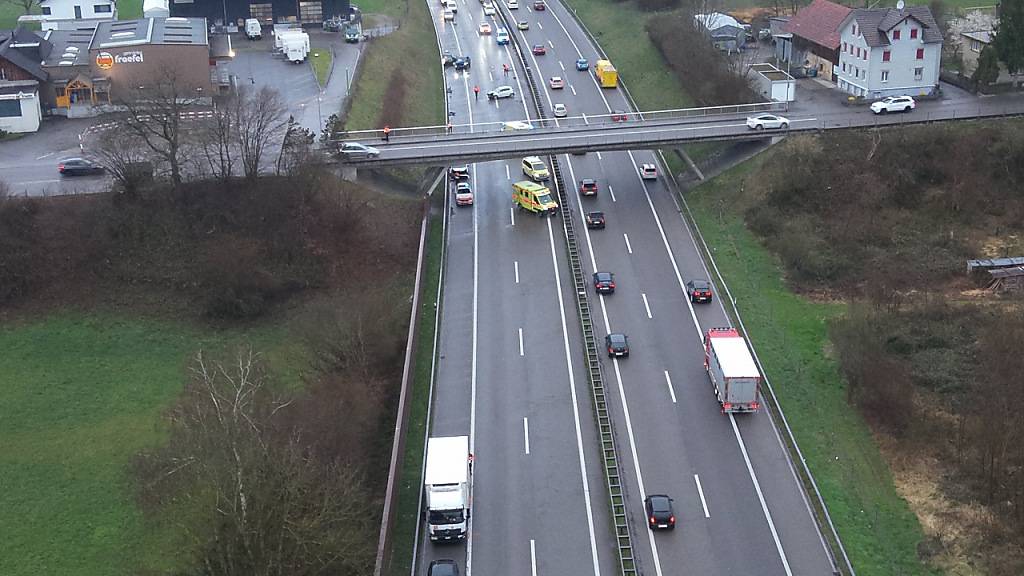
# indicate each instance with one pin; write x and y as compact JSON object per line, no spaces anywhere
{"x":348,"y":173}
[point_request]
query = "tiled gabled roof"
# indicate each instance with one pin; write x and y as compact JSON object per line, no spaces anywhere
{"x":30,"y":55}
{"x":819,"y":23}
{"x":875,"y":24}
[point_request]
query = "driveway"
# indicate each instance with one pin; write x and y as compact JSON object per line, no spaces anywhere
{"x":29,"y":164}
{"x":821,"y":97}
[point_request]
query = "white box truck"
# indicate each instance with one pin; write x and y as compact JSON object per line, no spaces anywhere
{"x":447,"y":488}
{"x":284,"y":35}
{"x":732,"y":370}
{"x":295,"y":48}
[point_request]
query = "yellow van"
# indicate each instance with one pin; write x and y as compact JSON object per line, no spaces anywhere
{"x":533,"y":197}
{"x":535,"y":169}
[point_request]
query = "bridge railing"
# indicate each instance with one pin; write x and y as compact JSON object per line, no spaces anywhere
{"x":518,"y":126}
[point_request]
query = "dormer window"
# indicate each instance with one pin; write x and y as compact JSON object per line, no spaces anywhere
{"x":913,"y":33}
{"x":895,"y":34}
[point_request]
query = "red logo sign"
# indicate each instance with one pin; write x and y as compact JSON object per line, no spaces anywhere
{"x":104,"y":61}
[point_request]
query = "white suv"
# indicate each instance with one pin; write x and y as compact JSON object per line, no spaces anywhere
{"x":893,"y":104}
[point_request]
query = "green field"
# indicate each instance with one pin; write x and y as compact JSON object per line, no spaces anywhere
{"x":81,"y":394}
{"x":791,"y":336}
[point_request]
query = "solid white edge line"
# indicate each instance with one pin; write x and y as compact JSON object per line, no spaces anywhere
{"x":696,"y":324}
{"x":612,"y":193}
{"x":526,"y":434}
{"x":472,"y":379}
{"x":618,"y":377}
{"x":646,"y":305}
{"x":700,"y":491}
{"x":628,"y":247}
{"x":671,"y":391}
{"x":533,"y":557}
{"x":575,"y":405}
{"x":517,"y":271}
{"x":521,"y":353}
{"x":760,"y":496}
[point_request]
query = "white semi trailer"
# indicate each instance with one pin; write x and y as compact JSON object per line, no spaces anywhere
{"x":732,"y":370}
{"x":448,"y":487}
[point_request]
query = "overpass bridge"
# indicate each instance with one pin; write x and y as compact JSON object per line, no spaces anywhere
{"x":624,"y":131}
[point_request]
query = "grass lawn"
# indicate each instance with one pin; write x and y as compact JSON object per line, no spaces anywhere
{"x":878,"y":529}
{"x":411,"y":47}
{"x":81,"y":394}
{"x":409,"y":485}
{"x":129,"y":9}
{"x":321,"y":56}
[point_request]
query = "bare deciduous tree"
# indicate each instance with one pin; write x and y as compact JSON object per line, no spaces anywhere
{"x":125,"y":156}
{"x":272,"y":507}
{"x":154,"y":110}
{"x":218,"y":137}
{"x":261,"y":119}
{"x":26,"y":5}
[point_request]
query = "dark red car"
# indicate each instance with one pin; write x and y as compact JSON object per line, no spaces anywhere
{"x":619,"y":116}
{"x":604,"y":282}
{"x":539,"y":5}
{"x":588,"y":187}
{"x":539,"y":50}
{"x":699,"y":291}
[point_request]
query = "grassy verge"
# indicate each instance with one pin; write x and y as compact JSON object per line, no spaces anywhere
{"x":791,"y":335}
{"x":81,"y":394}
{"x":409,"y":484}
{"x":421,"y":90}
{"x":321,"y":59}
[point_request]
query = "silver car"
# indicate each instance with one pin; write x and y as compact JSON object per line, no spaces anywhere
{"x":762,"y":121}
{"x":355,"y":150}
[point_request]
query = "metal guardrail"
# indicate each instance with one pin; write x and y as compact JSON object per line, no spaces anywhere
{"x":609,"y":452}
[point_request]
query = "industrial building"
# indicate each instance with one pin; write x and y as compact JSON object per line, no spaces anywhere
{"x":235,"y":12}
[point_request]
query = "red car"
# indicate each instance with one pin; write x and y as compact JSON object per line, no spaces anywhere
{"x":539,"y":5}
{"x":539,"y":50}
{"x":588,"y":187}
{"x":619,"y":116}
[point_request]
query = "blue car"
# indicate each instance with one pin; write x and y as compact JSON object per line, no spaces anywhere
{"x":582,"y":64}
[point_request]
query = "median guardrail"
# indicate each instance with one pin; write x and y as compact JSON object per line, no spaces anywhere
{"x":609,"y":452}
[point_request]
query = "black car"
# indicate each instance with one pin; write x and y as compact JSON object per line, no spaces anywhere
{"x":447,"y":58}
{"x":78,"y":167}
{"x":443,"y":568}
{"x":659,"y":512}
{"x":595,"y":220}
{"x":462,"y":63}
{"x":458,"y":172}
{"x":617,"y":345}
{"x":604,"y":282}
{"x":699,"y":291}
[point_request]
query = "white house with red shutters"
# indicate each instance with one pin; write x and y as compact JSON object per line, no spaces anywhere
{"x":889,"y":52}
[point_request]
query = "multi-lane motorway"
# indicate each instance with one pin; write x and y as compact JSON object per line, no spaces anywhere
{"x":511,"y":369}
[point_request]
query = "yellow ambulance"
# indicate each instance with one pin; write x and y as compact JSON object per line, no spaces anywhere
{"x":533,"y":197}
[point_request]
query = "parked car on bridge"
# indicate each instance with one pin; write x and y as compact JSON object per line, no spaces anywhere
{"x":659,"y":512}
{"x":79,"y":167}
{"x":582,"y":65}
{"x":354,"y":150}
{"x":501,"y":92}
{"x":762,"y":121}
{"x":893,"y":104}
{"x":595,"y":220}
{"x":648,"y":172}
{"x":539,"y":50}
{"x":556,"y":83}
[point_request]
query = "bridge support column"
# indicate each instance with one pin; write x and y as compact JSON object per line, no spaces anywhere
{"x":348,"y":173}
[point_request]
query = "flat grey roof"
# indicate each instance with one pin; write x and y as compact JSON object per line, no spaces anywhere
{"x":118,"y":33}
{"x":70,"y":47}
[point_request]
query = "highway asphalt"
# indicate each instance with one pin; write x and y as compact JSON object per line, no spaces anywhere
{"x":739,"y":504}
{"x":510,"y":370}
